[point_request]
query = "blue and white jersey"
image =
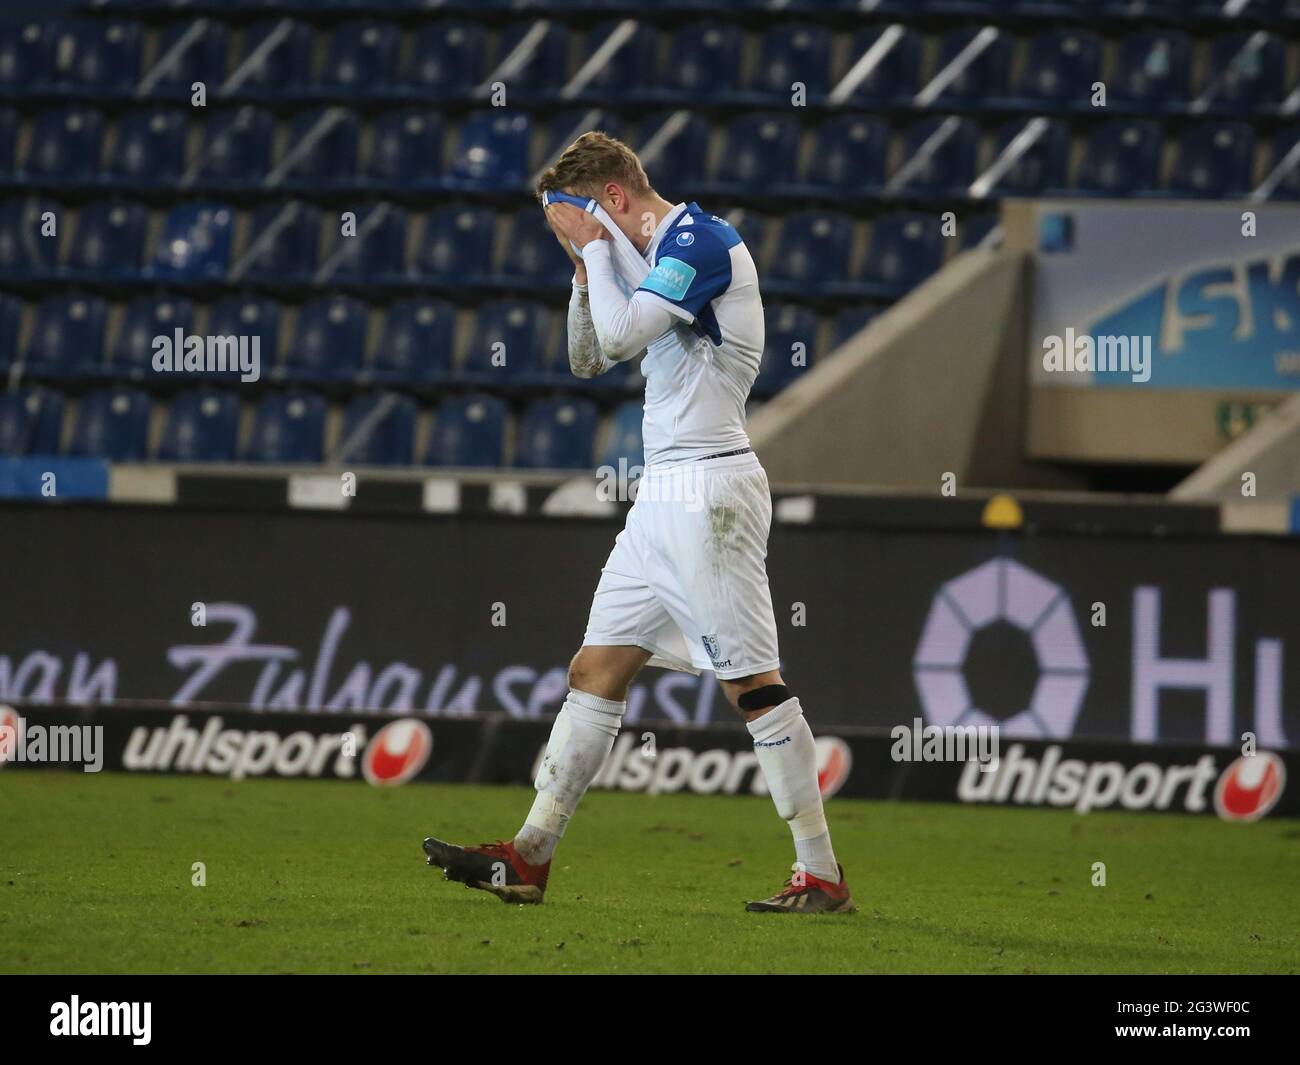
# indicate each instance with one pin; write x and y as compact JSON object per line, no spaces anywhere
{"x":699,"y":373}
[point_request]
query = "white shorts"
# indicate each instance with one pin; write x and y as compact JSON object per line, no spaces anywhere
{"x":687,"y":579}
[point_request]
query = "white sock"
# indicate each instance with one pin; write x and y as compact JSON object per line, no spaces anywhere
{"x":787,"y":755}
{"x":581,"y":739}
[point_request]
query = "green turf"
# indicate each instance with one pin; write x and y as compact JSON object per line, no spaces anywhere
{"x":328,"y":876}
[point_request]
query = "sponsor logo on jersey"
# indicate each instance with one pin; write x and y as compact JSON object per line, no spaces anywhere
{"x":670,"y":277}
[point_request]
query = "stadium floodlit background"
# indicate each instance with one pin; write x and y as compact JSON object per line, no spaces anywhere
{"x":391,"y":528}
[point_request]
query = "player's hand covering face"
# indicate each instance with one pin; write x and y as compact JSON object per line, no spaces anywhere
{"x":574,"y":225}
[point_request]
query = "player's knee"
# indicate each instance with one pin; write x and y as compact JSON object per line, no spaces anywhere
{"x":587,"y":673}
{"x":752,"y":696}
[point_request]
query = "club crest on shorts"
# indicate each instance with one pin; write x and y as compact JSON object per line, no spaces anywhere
{"x":711,"y":647}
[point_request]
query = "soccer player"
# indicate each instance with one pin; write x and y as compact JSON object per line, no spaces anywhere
{"x":685,"y":585}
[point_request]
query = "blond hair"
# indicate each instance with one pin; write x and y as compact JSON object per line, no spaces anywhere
{"x":589,"y":162}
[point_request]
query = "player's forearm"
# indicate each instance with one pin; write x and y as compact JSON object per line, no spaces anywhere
{"x":623,"y":327}
{"x":586,"y":360}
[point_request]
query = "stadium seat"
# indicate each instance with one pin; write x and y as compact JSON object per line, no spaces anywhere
{"x":448,"y":59}
{"x":406,"y":149}
{"x":492,"y":152}
{"x":1246,"y":73}
{"x":1061,"y":68}
{"x":288,"y":427}
{"x":253,"y":317}
{"x":275,"y":60}
{"x":468,"y":431}
{"x":108,"y":242}
{"x":146,"y":317}
{"x":101,"y":58}
{"x":329,"y":341}
{"x":1214,"y":159}
{"x":457,"y":245}
{"x":628,"y":68}
{"x":67,"y":338}
{"x":508,"y":344}
{"x":813,"y":248}
{"x":8,"y":143}
{"x":361,"y":57}
{"x":624,"y":441}
{"x":321,"y":150}
{"x":189,"y":51}
{"x":976,"y":229}
{"x":31,"y":422}
{"x":1120,"y":158}
{"x":533,"y":59}
{"x":703,"y":62}
{"x":195,"y":243}
{"x":283,"y":243}
{"x":894,"y":76}
{"x":378,"y":430}
{"x":849,"y":156}
{"x":557,"y":434}
{"x":791,"y":336}
{"x":986,"y":70}
{"x":26,"y":57}
{"x":905,"y":249}
{"x":236,"y":148}
{"x":1285,"y":142}
{"x":417,"y":343}
{"x":1152,"y":70}
{"x":938,"y":157}
{"x":792,"y":53}
{"x":375,"y":253}
{"x":26,"y":251}
{"x":65,"y":147}
{"x":112,"y":424}
{"x":202,"y":425}
{"x":534,"y":257}
{"x":1040,"y":167}
{"x":149,"y":149}
{"x":565,"y":127}
{"x":850,"y":323}
{"x":673,"y":148}
{"x":11,"y":316}
{"x":760,"y":151}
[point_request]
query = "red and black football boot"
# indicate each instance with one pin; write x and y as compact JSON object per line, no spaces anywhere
{"x":804,"y":893}
{"x":495,"y":867}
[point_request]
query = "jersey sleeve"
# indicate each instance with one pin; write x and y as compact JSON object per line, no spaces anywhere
{"x":692,"y":270}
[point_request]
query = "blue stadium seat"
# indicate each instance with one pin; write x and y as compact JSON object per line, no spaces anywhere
{"x":26,"y":57}
{"x":1152,"y":70}
{"x":625,"y":442}
{"x":566,"y":127}
{"x":1286,"y":141}
{"x":112,"y":424}
{"x":540,"y":70}
{"x":67,"y":338}
{"x":406,"y":149}
{"x":1041,"y":167}
{"x":236,"y":148}
{"x":65,"y":147}
{"x":100,"y":57}
{"x":790,"y":53}
{"x":508,"y":346}
{"x":375,"y":253}
{"x":283,"y":243}
{"x":813,"y":248}
{"x":1247,"y":72}
{"x":11,"y":316}
{"x":275,"y":61}
{"x":849,"y":155}
{"x":976,"y":229}
{"x":985,"y":77}
{"x":417,"y":343}
{"x":1061,"y":69}
{"x":448,"y":59}
{"x":850,"y":323}
{"x":201,"y":426}
{"x":791,"y":336}
{"x":949,"y":168}
{"x":31,"y":422}
{"x":760,"y":151}
{"x":189,"y":51}
{"x":457,"y":244}
{"x":703,"y":61}
{"x":468,"y":431}
{"x":321,"y":150}
{"x":149,"y":150}
{"x":255,"y":317}
{"x":1214,"y":159}
{"x":492,"y":152}
{"x":629,"y":68}
{"x":1121,"y":157}
{"x":25,"y":249}
{"x":144,"y":318}
{"x":378,"y":430}
{"x":108,"y":242}
{"x":8,"y":142}
{"x":895,"y":77}
{"x":905,"y":249}
{"x":557,"y":434}
{"x":329,"y":342}
{"x":288,"y":427}
{"x":361,"y":58}
{"x":534,"y":256}
{"x":673,"y":147}
{"x":195,"y":243}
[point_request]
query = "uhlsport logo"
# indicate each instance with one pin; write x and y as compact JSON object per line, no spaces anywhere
{"x":1250,"y":787}
{"x":834,"y":761}
{"x":397,"y":752}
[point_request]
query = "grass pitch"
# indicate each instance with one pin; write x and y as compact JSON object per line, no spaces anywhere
{"x":327,"y":876}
